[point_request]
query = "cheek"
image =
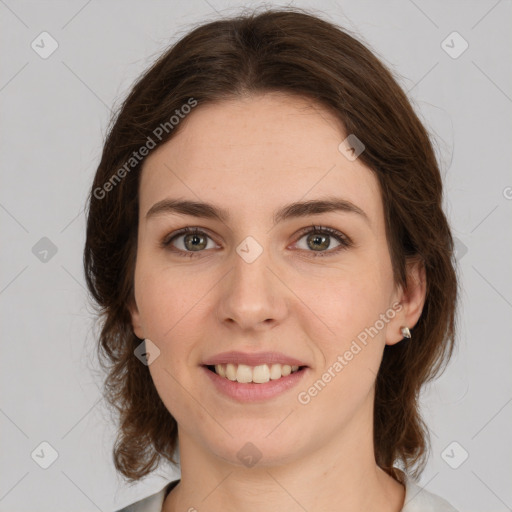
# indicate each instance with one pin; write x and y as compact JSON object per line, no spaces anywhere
{"x":351,"y":351}
{"x":349,"y":299}
{"x":174,"y":306}
{"x":166,"y":298}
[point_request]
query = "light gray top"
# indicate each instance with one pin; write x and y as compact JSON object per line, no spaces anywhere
{"x":417,"y":499}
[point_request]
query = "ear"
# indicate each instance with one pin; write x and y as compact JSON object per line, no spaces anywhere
{"x":411,"y":300}
{"x":136,"y":321}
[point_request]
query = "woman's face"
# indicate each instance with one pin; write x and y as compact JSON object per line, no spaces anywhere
{"x":246,"y":284}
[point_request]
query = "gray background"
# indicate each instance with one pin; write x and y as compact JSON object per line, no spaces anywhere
{"x":54,"y":116}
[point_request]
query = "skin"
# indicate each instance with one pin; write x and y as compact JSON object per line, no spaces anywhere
{"x":252,"y":156}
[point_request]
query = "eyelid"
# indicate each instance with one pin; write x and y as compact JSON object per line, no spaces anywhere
{"x":188,"y":230}
{"x":325,"y":229}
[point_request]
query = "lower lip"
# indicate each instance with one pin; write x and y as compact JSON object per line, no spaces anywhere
{"x":252,"y":392}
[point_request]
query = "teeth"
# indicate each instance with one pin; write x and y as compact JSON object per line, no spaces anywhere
{"x":231,"y":371}
{"x":220,"y":369}
{"x":258,"y":374}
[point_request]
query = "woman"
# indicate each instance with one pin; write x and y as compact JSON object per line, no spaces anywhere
{"x":267,"y":245}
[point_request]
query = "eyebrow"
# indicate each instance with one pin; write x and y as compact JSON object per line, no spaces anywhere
{"x":290,"y":211}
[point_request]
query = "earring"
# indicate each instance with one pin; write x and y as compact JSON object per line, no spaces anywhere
{"x":406,"y":333}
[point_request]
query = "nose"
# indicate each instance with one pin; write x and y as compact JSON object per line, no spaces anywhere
{"x":252,"y":296}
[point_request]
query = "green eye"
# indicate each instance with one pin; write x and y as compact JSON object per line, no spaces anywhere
{"x":194,"y":240}
{"x":319,"y":238}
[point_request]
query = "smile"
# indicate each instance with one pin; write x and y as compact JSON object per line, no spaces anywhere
{"x":260,"y":374}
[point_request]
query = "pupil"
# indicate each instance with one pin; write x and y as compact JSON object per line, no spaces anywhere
{"x":316,"y":238}
{"x":196,"y":239}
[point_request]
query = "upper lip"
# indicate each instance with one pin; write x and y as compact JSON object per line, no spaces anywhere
{"x":252,"y":359}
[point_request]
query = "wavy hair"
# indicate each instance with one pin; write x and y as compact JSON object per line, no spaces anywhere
{"x":295,"y":52}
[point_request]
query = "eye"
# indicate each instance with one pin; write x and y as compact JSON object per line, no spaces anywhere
{"x":193,"y":240}
{"x":319,"y":239}
{"x":188,"y":241}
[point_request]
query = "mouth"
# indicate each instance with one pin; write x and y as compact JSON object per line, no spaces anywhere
{"x":260,"y":374}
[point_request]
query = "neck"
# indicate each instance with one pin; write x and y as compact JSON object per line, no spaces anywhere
{"x":340,"y":474}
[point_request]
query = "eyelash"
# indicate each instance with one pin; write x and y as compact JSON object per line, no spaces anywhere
{"x":343,"y":240}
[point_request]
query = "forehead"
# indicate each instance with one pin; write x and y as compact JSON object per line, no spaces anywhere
{"x":255,"y":154}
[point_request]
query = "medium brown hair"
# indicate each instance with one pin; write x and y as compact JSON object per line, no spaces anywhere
{"x":295,"y":52}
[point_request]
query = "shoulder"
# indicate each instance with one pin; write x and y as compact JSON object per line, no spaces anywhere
{"x":152,"y":503}
{"x":418,"y":499}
